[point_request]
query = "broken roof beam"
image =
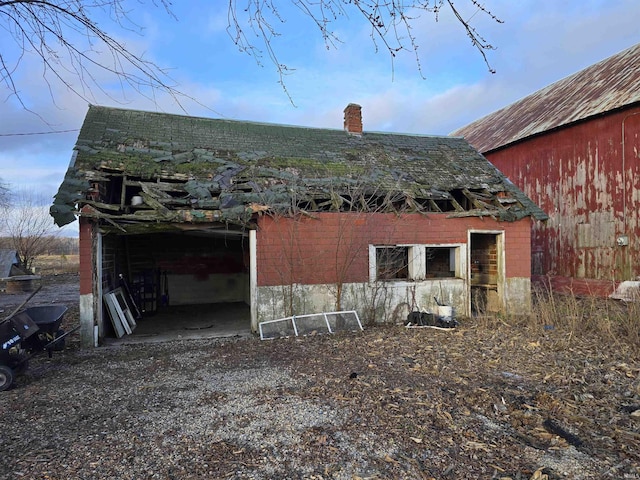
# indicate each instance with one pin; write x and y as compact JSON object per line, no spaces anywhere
{"x":490,"y":197}
{"x":158,"y":186}
{"x":435,"y":195}
{"x":184,"y":215}
{"x":100,"y":205}
{"x":151,"y":198}
{"x":413,"y":205}
{"x":97,"y":176}
{"x":434,"y":206}
{"x":474,"y":213}
{"x":476,"y":200}
{"x":455,"y":204}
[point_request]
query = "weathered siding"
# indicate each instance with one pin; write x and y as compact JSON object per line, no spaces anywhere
{"x":586,"y":178}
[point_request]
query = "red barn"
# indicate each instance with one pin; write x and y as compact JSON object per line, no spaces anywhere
{"x":573,"y":148}
{"x":280,"y":220}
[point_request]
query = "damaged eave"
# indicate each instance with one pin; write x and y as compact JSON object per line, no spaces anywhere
{"x":129,"y":170}
{"x":242,"y":217}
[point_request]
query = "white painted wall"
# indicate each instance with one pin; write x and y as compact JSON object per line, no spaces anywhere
{"x":378,"y":302}
{"x":87,"y":320}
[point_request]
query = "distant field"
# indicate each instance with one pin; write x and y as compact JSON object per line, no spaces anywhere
{"x":56,"y":264}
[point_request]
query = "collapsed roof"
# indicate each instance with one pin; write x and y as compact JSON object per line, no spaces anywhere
{"x":133,"y":168}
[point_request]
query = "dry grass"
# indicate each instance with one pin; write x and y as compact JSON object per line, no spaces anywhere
{"x":613,"y":322}
{"x":56,"y":264}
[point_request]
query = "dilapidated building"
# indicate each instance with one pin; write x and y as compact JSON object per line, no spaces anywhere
{"x":573,"y":147}
{"x":289,"y":220}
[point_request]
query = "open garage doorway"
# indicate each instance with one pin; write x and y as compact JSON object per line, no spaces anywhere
{"x":184,"y":283}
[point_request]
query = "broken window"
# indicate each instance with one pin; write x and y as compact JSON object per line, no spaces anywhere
{"x":392,"y":263}
{"x":441,"y":261}
{"x":415,"y":262}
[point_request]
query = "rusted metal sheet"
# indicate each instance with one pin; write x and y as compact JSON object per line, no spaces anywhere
{"x":603,"y":87}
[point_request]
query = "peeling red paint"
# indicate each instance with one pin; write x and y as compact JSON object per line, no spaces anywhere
{"x":586,"y":177}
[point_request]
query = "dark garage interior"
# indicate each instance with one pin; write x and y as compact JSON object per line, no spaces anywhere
{"x":192,"y":283}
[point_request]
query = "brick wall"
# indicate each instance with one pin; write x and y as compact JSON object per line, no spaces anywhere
{"x":334,"y":246}
{"x":86,"y":255}
{"x":518,"y":249}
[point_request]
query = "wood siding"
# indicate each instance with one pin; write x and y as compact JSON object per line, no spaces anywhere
{"x":586,"y":177}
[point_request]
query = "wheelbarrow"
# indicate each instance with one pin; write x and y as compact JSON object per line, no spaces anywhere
{"x":26,"y":333}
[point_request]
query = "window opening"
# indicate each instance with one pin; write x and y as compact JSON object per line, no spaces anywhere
{"x":441,"y":262}
{"x":392,"y":263}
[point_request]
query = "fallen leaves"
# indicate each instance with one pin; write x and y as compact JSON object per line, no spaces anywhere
{"x":390,"y":459}
{"x":539,"y":475}
{"x":469,"y":405}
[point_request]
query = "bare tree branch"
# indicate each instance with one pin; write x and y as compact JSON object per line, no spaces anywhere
{"x":76,"y":49}
{"x":4,"y":195}
{"x":391,"y":21}
{"x":69,"y":41}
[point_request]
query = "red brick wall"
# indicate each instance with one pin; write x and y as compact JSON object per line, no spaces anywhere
{"x":86,"y":256}
{"x":334,"y":246}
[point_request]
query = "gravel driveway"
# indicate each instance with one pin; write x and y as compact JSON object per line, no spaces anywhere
{"x":477,"y":402}
{"x":180,"y":410}
{"x":383,"y":404}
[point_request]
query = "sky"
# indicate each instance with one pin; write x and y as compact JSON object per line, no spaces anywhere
{"x":536,"y":43}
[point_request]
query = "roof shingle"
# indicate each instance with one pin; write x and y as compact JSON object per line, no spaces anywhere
{"x":270,"y":164}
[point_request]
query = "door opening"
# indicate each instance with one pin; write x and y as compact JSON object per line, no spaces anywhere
{"x":486,"y":273}
{"x":185,"y":283}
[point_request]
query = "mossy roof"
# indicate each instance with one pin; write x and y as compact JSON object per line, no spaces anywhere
{"x":214,"y":155}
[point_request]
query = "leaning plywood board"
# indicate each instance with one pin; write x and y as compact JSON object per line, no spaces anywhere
{"x":116,"y":321}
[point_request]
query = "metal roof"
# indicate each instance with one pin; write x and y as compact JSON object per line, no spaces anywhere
{"x":183,"y":164}
{"x":608,"y":85}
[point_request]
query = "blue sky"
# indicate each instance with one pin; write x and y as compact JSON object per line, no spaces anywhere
{"x":539,"y":42}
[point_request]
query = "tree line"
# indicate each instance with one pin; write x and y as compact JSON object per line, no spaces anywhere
{"x":51,"y":245}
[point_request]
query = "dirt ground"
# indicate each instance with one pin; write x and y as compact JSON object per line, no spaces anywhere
{"x":482,"y":401}
{"x":60,"y":289}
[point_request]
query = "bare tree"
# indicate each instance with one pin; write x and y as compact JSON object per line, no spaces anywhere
{"x":69,"y":40}
{"x":75,"y":46}
{"x":28,"y":225}
{"x":4,"y":194}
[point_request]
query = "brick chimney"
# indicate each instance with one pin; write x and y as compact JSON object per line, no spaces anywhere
{"x":353,"y":119}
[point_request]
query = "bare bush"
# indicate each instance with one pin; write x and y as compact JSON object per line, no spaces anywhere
{"x":28,"y":226}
